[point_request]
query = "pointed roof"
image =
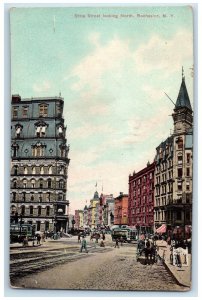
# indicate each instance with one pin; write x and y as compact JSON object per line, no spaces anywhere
{"x":183,"y":97}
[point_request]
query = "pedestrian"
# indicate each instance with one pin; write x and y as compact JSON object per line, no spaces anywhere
{"x":38,"y":238}
{"x":121,"y":240}
{"x":103,"y":236}
{"x":116,"y":243}
{"x":83,"y":245}
{"x":79,"y":238}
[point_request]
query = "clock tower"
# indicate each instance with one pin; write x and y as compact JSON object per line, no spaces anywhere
{"x":182,"y":116}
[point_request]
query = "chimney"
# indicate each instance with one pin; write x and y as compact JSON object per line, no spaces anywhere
{"x":16,"y":98}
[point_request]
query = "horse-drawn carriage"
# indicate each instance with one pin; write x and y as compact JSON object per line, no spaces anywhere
{"x":147,"y":249}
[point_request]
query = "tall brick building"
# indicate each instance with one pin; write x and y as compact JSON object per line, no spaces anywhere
{"x":141,"y":198}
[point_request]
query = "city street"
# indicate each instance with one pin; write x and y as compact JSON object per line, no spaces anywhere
{"x":59,"y":265}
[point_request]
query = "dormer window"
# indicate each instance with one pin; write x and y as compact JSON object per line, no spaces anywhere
{"x":18,"y":129}
{"x":43,"y":110}
{"x":25,"y":111}
{"x":41,"y":131}
{"x":15,"y":112}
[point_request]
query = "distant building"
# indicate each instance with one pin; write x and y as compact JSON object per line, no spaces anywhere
{"x":121,"y":209}
{"x":173,"y":172}
{"x":141,"y":199}
{"x":39,"y":163}
{"x":93,"y":210}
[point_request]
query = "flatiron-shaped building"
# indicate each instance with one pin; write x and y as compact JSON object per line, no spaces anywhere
{"x":39,"y":163}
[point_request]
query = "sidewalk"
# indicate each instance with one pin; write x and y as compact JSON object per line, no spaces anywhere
{"x":183,"y":274}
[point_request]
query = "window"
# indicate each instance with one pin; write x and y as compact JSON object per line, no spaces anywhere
{"x":40,"y":197}
{"x":32,"y":197}
{"x":41,"y":131}
{"x":188,"y":157}
{"x":31,"y":210}
{"x":23,"y":210}
{"x":50,"y":171}
{"x":14,"y":183}
{"x":24,"y":182}
{"x":61,"y":184}
{"x":38,"y":150}
{"x":48,"y":197}
{"x":14,"y":196}
{"x":41,"y":170}
{"x":33,"y":170}
{"x":48,"y":210}
{"x":179,"y":158}
{"x":33,"y":183}
{"x":187,"y":186}
{"x":39,"y":210}
{"x":18,"y":131}
{"x":43,"y":110}
{"x":60,"y":130}
{"x":49,"y":183}
{"x":15,"y":112}
{"x":61,"y":170}
{"x":46,"y":225}
{"x":180,"y":143}
{"x":38,"y":225}
{"x":188,"y":172}
{"x":25,"y":111}
{"x":179,"y":186}
{"x":179,"y":172}
{"x":23,"y":196}
{"x":41,"y":183}
{"x":25,"y":170}
{"x":15,"y":170}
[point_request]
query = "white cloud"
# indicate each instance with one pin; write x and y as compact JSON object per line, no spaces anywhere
{"x":89,"y":72}
{"x":40,"y":87}
{"x":164,"y":54}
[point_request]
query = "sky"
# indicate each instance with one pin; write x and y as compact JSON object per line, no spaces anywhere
{"x":113,"y":69}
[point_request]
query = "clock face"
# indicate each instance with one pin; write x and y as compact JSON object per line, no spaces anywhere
{"x":178,"y":126}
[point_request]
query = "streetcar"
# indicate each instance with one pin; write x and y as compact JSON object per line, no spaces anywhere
{"x":126,"y":233}
{"x":18,"y":232}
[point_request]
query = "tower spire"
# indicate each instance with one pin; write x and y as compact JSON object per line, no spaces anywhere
{"x":183,"y":77}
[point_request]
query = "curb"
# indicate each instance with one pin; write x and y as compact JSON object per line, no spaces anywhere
{"x":172,"y":274}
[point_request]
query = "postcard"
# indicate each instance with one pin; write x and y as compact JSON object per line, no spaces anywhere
{"x":101,"y":148}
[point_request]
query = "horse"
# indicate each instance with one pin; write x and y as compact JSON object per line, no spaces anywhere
{"x":150,"y":254}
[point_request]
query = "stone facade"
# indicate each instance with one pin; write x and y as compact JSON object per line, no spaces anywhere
{"x":39,"y":163}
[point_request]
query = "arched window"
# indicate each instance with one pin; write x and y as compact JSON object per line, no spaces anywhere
{"x":22,"y":210}
{"x":14,"y":183}
{"x":61,"y":170}
{"x":15,"y":170}
{"x":46,"y":225}
{"x":24,"y":183}
{"x":33,"y":183}
{"x":41,"y":183}
{"x":25,"y":170}
{"x":33,"y":170}
{"x":41,"y":170}
{"x":49,"y":183}
{"x":61,"y":184}
{"x":50,"y":170}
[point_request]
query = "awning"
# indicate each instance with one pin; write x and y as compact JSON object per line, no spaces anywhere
{"x":161,"y":229}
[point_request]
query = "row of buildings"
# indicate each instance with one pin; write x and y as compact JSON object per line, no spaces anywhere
{"x":159,"y":195}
